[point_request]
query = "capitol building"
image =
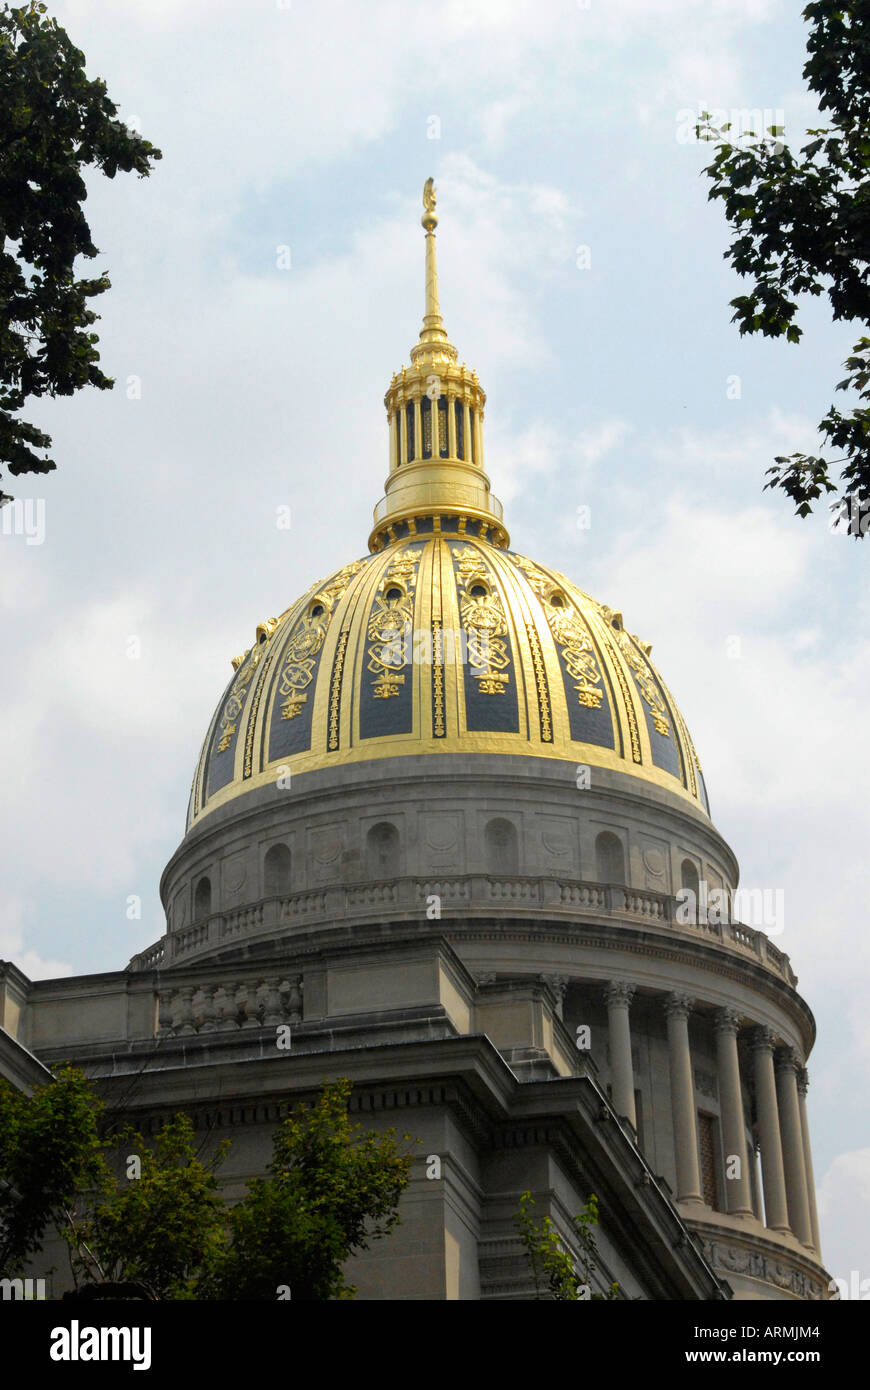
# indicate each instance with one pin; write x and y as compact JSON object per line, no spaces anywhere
{"x":449,"y":826}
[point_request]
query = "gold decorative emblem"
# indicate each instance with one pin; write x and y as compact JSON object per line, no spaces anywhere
{"x":568,"y":629}
{"x":391,"y":624}
{"x":484,"y":621}
{"x":300,"y":660}
{"x":235,"y":701}
{"x":578,"y":654}
{"x":301,"y":652}
{"x":646,"y":684}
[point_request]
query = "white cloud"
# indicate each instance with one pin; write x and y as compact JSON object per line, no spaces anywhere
{"x":844,"y":1218}
{"x":12,"y":944}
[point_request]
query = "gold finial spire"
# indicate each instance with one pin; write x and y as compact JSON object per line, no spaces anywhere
{"x":433,"y":330}
{"x":435,"y":409}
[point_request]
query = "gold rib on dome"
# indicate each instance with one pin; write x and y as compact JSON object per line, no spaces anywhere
{"x":435,"y":412}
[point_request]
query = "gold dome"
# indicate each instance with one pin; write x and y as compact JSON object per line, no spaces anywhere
{"x":443,"y":642}
{"x":442,"y":639}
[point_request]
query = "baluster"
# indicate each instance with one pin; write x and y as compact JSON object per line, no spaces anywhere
{"x":164,"y":1015}
{"x":182,"y":1018}
{"x":272,"y":1015}
{"x":207,"y":1011}
{"x":294,"y":1000}
{"x":251,"y":1007}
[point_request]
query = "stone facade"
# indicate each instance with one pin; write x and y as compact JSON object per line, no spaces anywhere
{"x":394,"y":956}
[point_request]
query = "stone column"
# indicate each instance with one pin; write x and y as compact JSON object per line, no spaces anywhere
{"x":787,"y":1067}
{"x":678,"y":1007}
{"x":737,"y":1193}
{"x":618,"y":996}
{"x":803,"y":1082}
{"x":772,"y":1173}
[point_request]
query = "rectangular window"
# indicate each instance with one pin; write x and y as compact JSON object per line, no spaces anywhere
{"x":426,"y":426}
{"x":443,"y":442}
{"x":409,"y":418}
{"x":707,"y":1144}
{"x":459,"y":416}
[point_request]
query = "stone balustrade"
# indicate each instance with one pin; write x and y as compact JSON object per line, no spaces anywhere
{"x":229,"y":1005}
{"x":472,"y":894}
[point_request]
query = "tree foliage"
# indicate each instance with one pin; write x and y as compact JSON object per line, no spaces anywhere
{"x":330,"y":1190}
{"x":50,"y":1150}
{"x":147,"y":1219}
{"x":556,"y":1273}
{"x":54,"y":122}
{"x":160,"y":1226}
{"x":801,"y":225}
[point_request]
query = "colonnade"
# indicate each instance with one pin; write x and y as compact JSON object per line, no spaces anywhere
{"x":780,"y":1083}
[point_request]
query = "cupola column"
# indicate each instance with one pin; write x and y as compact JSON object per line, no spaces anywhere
{"x":737,"y":1194}
{"x":677,"y":1009}
{"x":772,"y":1172}
{"x":618,"y":996}
{"x":787,"y":1067}
{"x":803,"y":1082}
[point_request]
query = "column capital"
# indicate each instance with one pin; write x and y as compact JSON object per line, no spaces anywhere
{"x":558,"y":984}
{"x":787,"y":1059}
{"x":619,"y":992}
{"x":763,"y":1039}
{"x":678,"y":1005}
{"x":803,"y":1080}
{"x":726,"y":1021}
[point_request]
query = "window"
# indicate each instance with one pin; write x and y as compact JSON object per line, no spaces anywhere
{"x":276,"y":872}
{"x":426,"y":426}
{"x":471,"y":423}
{"x":459,"y":417}
{"x":502,"y":849}
{"x":609,"y":858}
{"x":689,"y":877}
{"x":409,"y":426}
{"x":707,"y":1145}
{"x":689,"y":881}
{"x":382,"y":850}
{"x":443,"y":442}
{"x":202,"y":899}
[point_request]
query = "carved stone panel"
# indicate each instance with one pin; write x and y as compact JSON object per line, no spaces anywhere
{"x":325,"y":844}
{"x":442,"y":846}
{"x":654,"y":856}
{"x":558,"y":838}
{"x":234,"y":875}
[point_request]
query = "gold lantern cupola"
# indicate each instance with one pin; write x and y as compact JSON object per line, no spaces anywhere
{"x":435,"y":413}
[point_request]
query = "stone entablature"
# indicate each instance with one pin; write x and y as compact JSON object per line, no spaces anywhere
{"x":749,"y":1260}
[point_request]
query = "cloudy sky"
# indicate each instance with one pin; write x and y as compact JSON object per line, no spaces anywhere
{"x":244,"y":385}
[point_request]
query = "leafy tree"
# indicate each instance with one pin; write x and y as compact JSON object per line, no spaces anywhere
{"x":153,"y":1224}
{"x":54,"y":122}
{"x":802,"y":226}
{"x":160,"y":1227}
{"x":330,"y":1191}
{"x":50,"y":1149}
{"x":553,"y":1268}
